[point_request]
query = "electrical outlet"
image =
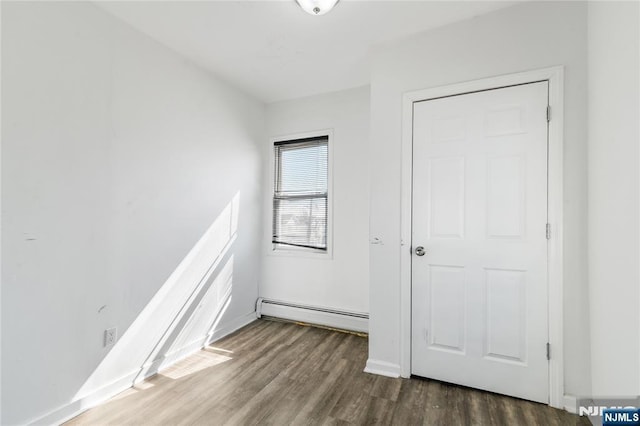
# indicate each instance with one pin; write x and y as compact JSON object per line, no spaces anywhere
{"x":110,"y":336}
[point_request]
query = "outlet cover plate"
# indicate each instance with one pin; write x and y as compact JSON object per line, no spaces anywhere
{"x":110,"y":336}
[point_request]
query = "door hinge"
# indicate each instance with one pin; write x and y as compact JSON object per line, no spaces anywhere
{"x":548,"y":231}
{"x":548,"y":113}
{"x":548,"y":351}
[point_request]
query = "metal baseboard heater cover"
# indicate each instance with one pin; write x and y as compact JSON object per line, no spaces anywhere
{"x":346,"y":320}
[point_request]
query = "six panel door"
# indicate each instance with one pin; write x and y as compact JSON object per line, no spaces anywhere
{"x":479,"y":294}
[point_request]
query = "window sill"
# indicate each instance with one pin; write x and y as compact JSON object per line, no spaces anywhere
{"x":300,"y":252}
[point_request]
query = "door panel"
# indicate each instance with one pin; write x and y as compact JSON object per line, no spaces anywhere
{"x":505,"y":197}
{"x":446,"y":197}
{"x":447,"y":299}
{"x":505,"y":313}
{"x":479,"y":295}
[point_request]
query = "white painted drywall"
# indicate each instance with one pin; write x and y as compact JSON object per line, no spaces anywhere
{"x":0,"y":217}
{"x":520,"y":38}
{"x":614,"y":243}
{"x":118,"y":156}
{"x":342,"y":281}
{"x":275,"y":50}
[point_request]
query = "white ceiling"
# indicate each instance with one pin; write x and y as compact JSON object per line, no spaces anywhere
{"x":274,"y":51}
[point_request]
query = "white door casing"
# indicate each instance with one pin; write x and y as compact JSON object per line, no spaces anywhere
{"x":479,"y":295}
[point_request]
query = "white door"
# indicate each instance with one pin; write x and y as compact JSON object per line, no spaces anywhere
{"x":479,"y":291}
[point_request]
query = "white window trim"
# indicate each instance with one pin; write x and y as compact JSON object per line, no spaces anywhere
{"x":299,"y":251}
{"x":555,"y":77}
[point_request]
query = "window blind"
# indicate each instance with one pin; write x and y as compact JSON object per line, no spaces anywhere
{"x":301,"y":192}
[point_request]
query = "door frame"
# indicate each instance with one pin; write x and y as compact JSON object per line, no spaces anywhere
{"x":555,"y":77}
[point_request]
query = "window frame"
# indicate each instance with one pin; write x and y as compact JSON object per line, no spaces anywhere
{"x":275,"y":249}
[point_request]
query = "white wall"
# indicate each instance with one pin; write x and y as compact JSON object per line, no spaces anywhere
{"x":520,"y":38}
{"x":342,"y":281}
{"x":614,"y":243}
{"x":1,"y":210}
{"x":117,"y":157}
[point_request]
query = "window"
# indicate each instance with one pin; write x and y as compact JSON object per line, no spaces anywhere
{"x":300,"y":198}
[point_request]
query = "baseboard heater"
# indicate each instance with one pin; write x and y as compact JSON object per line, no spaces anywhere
{"x":346,"y":320}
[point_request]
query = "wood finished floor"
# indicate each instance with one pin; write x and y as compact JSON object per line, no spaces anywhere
{"x":275,"y":373}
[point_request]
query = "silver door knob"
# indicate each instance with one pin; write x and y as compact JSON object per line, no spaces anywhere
{"x":420,"y":251}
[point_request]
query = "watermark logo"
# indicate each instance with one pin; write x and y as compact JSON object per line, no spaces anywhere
{"x":610,"y":411}
{"x":621,"y":416}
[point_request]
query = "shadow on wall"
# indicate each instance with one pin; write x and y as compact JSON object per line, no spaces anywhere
{"x":182,"y":317}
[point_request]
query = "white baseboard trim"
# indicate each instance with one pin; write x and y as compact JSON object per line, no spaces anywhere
{"x":382,"y":368}
{"x":77,"y":407}
{"x":169,"y":359}
{"x":232,"y":326}
{"x":569,"y":403}
{"x":173,"y":357}
{"x":71,"y":410}
{"x":314,"y":315}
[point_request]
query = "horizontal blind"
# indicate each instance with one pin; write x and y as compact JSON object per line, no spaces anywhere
{"x":300,"y":195}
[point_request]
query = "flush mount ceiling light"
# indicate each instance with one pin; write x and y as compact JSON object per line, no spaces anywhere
{"x":317,"y":7}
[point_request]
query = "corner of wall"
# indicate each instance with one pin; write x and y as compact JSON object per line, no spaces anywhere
{"x":382,"y":368}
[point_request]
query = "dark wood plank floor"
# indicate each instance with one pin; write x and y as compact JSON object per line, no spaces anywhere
{"x":275,"y":373}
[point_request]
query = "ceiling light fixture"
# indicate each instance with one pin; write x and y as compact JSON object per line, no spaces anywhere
{"x":317,"y":7}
